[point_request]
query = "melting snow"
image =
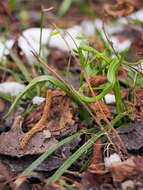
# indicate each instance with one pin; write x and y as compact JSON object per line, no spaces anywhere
{"x":110,"y":98}
{"x":113,"y":159}
{"x":13,"y":88}
{"x":30,"y":38}
{"x":38,"y":100}
{"x":3,"y":50}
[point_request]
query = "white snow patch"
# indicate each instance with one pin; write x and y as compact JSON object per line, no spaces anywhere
{"x":67,"y":43}
{"x":38,"y":100}
{"x":123,"y":20}
{"x":30,"y":40}
{"x":113,"y":159}
{"x":98,"y":23}
{"x":137,"y":15}
{"x":12,"y":88}
{"x":120,"y":46}
{"x":88,"y":28}
{"x":3,"y":50}
{"x":114,"y":28}
{"x":110,"y":98}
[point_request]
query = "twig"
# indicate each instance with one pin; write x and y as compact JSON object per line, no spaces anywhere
{"x":117,"y":147}
{"x":38,"y":126}
{"x":66,"y":84}
{"x":85,"y":106}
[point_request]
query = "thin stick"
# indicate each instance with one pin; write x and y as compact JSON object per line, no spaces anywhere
{"x":40,"y":123}
{"x":85,"y":106}
{"x":69,"y":86}
{"x":108,"y":122}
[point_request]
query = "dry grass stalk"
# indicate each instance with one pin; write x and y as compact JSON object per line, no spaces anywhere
{"x":118,"y":147}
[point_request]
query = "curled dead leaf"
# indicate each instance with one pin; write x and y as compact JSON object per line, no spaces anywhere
{"x":132,"y":135}
{"x":97,"y":80}
{"x":121,"y":8}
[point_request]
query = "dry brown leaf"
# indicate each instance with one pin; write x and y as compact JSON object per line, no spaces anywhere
{"x":99,"y":114}
{"x":9,"y":141}
{"x":97,"y":80}
{"x":2,"y":105}
{"x":124,"y":170}
{"x":121,"y":8}
{"x":96,"y":42}
{"x":128,"y":169}
{"x":91,"y":180}
{"x":123,"y":73}
{"x":61,"y":121}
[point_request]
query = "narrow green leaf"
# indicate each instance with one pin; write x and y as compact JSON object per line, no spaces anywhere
{"x":90,"y":49}
{"x":55,"y":32}
{"x":84,"y":148}
{"x":11,"y":5}
{"x":64,"y":7}
{"x":21,"y":66}
{"x":71,"y":92}
{"x":37,"y":162}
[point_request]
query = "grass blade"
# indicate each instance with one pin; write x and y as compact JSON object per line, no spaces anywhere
{"x":21,"y":66}
{"x":93,"y":50}
{"x":14,"y":74}
{"x":32,"y":84}
{"x":37,"y":162}
{"x":64,"y":7}
{"x":70,"y":92}
{"x":11,"y":5}
{"x":73,"y":158}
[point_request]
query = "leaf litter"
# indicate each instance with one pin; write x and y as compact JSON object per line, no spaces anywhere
{"x":62,"y":125}
{"x":63,"y":121}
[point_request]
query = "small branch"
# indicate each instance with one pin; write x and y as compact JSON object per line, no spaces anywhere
{"x":40,"y":123}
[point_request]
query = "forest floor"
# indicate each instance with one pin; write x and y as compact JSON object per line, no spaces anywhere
{"x":71,"y":95}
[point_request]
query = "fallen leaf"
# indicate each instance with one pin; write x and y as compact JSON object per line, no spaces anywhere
{"x":132,"y":135}
{"x":61,"y":121}
{"x":91,"y":180}
{"x":5,"y":124}
{"x":97,"y":80}
{"x":120,"y":8}
{"x":99,"y":115}
{"x":124,"y":170}
{"x":9,"y":141}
